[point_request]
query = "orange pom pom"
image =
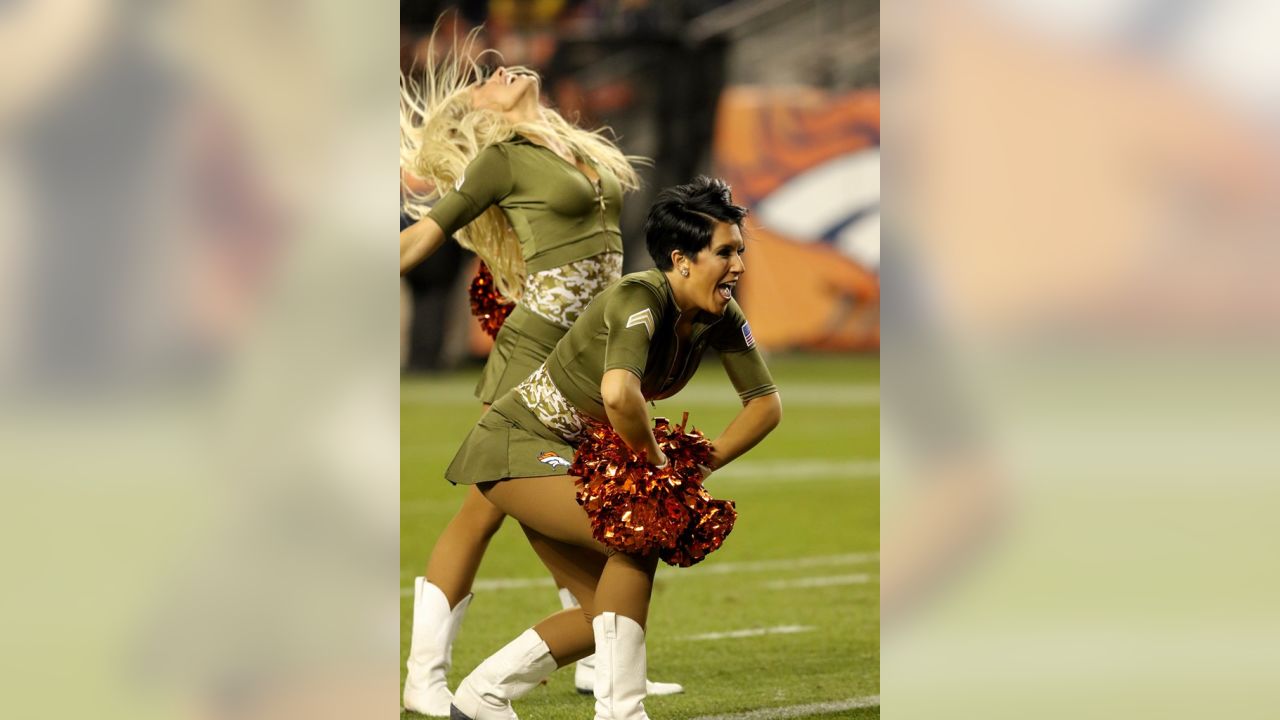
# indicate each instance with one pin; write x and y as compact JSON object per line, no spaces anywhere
{"x":637,"y":508}
{"x":487,"y":304}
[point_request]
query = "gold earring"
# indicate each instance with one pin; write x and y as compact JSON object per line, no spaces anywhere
{"x":684,"y":271}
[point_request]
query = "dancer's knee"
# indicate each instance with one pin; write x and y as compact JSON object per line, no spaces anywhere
{"x":586,"y":603}
{"x":647,"y":563}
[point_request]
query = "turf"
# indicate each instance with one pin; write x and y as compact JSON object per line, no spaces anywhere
{"x":808,"y":502}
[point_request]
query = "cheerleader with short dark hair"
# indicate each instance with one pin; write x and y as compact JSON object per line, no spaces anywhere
{"x":639,"y":340}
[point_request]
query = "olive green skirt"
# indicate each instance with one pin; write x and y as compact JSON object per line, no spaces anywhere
{"x":509,"y":442}
{"x":523,"y":343}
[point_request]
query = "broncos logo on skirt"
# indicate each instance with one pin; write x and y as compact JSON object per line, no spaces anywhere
{"x":553,"y":459}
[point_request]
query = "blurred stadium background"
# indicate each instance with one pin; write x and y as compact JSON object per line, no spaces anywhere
{"x":781,"y":99}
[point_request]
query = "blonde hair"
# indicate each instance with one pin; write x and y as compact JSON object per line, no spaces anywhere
{"x":441,"y":133}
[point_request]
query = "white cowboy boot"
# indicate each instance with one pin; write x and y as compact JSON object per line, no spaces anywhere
{"x":620,"y":668}
{"x":584,"y":672}
{"x":426,"y":689}
{"x":506,"y":675}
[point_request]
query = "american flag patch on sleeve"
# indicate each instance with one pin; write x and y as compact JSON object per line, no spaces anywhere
{"x":746,"y":335}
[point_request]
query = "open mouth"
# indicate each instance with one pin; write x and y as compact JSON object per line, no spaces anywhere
{"x":726,"y":290}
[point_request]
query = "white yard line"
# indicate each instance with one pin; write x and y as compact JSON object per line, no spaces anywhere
{"x":824,"y":581}
{"x":512,"y":584}
{"x":779,"y":564}
{"x":795,"y":711}
{"x":752,"y":632}
{"x":670,"y":573}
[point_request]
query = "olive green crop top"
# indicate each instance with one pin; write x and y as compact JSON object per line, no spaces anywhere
{"x":559,"y":215}
{"x":631,"y":325}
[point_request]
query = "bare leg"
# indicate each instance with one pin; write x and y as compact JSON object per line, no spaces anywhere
{"x":568,"y":633}
{"x":626,"y":586}
{"x":440,"y":602}
{"x":613,"y":587}
{"x":559,"y":639}
{"x":546,"y":505}
{"x":460,"y":548}
{"x":456,"y":556}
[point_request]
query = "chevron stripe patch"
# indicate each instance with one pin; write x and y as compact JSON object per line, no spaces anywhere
{"x":643,"y":317}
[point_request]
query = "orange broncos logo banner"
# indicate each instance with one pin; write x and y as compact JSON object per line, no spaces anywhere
{"x":807,"y":164}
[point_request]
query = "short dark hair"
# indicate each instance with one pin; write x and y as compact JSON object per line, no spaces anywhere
{"x":684,"y":216}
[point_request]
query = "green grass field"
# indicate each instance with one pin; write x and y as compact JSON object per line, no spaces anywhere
{"x":797,"y":580}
